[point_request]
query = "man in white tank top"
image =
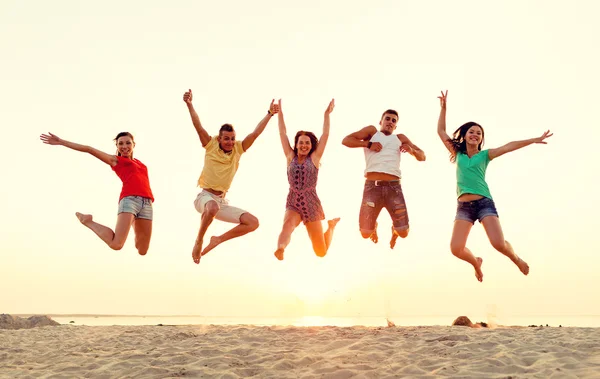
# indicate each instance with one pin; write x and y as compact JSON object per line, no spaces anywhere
{"x":382,"y":188}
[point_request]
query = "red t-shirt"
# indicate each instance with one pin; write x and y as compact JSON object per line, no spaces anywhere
{"x":134,"y":176}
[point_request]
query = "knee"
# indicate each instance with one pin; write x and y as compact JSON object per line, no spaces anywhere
{"x":251,"y":221}
{"x":366,"y":234}
{"x":320,"y":252}
{"x":456,"y":249}
{"x":289,"y":224}
{"x":402,"y":233}
{"x":210,"y":212}
{"x":142,"y":248}
{"x":116,"y":245}
{"x":499,"y":245}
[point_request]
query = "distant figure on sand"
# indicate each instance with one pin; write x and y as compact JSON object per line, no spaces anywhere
{"x":303,"y":204}
{"x":135,"y":201}
{"x":382,"y":186}
{"x":221,"y":162}
{"x":474,"y":199}
{"x":464,"y":321}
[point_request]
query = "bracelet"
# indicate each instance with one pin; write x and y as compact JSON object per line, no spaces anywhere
{"x":269,"y":112}
{"x":369,"y":145}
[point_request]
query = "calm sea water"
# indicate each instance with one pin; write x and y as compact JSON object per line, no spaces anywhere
{"x":93,"y":320}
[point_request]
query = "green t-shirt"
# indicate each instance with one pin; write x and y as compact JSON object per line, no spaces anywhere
{"x":470,"y":174}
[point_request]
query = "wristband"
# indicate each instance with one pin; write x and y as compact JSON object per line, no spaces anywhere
{"x":269,"y":112}
{"x":369,"y":145}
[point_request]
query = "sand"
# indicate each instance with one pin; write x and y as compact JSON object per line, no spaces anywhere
{"x":69,"y":351}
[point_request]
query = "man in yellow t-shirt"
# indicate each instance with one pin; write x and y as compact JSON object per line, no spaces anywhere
{"x":221,"y":162}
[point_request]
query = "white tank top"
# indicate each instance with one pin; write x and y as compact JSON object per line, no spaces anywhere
{"x":388,"y":159}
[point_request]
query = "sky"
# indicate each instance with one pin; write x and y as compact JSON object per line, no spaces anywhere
{"x":89,"y":70}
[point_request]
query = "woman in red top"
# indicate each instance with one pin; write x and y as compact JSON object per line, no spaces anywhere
{"x":135,"y":201}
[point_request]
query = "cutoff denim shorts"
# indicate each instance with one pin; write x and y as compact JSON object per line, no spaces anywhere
{"x":475,"y":210}
{"x":141,"y":207}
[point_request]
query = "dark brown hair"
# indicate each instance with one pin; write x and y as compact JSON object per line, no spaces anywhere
{"x":226,"y":128}
{"x":314,"y":141}
{"x":389,"y":111}
{"x":458,"y":142}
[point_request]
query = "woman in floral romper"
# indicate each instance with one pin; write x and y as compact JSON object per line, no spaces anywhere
{"x":303,"y":204}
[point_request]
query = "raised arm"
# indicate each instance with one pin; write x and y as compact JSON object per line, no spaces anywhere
{"x":515,"y":145}
{"x":409,"y":147}
{"x":250,"y":138}
{"x":325,"y":136}
{"x":441,"y":127}
{"x":285,"y":142}
{"x":361,"y":139}
{"x":52,"y":139}
{"x":202,"y":133}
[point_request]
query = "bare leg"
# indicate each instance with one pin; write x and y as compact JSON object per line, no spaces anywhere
{"x":396,"y":234}
{"x":459,"y":249}
{"x":115,"y":240}
{"x":329,"y":233}
{"x":248,"y":223}
{"x":211,"y":208}
{"x":291,"y":220}
{"x":494,"y":232}
{"x":143,"y":231}
{"x":372,"y":236}
{"x":321,"y":241}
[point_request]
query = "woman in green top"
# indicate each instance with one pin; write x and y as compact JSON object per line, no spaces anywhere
{"x":474,"y":199}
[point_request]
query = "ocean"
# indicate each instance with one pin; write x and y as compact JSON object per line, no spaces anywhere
{"x":96,"y":320}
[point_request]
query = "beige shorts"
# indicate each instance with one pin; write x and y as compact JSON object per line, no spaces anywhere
{"x":226,"y":212}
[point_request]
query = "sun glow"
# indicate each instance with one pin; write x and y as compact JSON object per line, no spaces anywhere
{"x":311,"y":321}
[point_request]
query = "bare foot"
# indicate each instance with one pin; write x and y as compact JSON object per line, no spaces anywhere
{"x":523,"y":266}
{"x":214,"y":242}
{"x":478,"y":273}
{"x":196,"y":251}
{"x":279,"y":254}
{"x":84,"y":219}
{"x":333,"y":223}
{"x":374,"y":237}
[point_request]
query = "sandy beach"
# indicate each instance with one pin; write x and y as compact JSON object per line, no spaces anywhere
{"x":211,"y":351}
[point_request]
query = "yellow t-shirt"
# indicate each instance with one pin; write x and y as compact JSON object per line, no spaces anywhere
{"x":219,"y":167}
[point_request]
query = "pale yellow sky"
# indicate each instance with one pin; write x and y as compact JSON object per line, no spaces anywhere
{"x":86,"y":71}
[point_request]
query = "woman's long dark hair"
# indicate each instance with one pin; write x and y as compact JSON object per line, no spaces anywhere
{"x":123,"y":134}
{"x":458,"y":142}
{"x":314,"y":141}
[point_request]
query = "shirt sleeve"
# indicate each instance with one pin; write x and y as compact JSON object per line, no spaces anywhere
{"x":210,"y":143}
{"x":239,"y":148}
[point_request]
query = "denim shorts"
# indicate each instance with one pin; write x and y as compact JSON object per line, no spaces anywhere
{"x":377,"y":195}
{"x":141,"y":207}
{"x":475,"y":210}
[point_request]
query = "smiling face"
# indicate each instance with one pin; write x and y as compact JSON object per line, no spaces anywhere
{"x":305,"y":143}
{"x":388,"y":123}
{"x":304,"y":146}
{"x":474,"y":136}
{"x":227,"y":141}
{"x":125,"y":146}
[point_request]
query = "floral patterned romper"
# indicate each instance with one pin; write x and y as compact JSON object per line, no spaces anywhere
{"x":302,"y":197}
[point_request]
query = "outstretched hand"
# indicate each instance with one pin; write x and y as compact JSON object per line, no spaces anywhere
{"x":50,"y":139}
{"x":443,"y":99}
{"x":274,"y":108}
{"x":187,"y":97}
{"x":541,"y":139}
{"x":330,"y":107}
